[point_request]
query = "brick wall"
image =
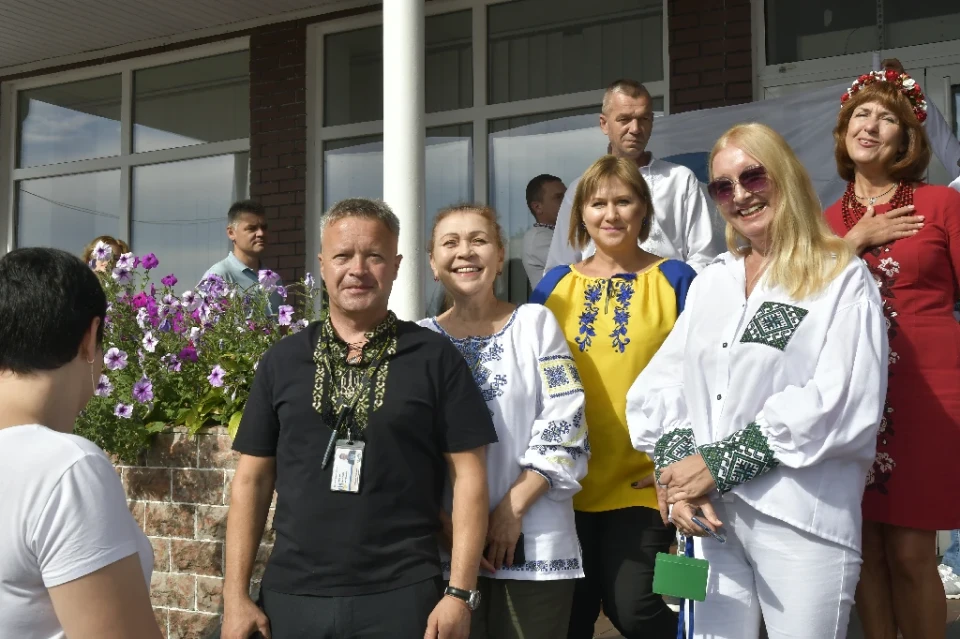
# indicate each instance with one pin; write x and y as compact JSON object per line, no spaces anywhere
{"x":179,"y":496}
{"x":278,"y":141}
{"x":710,"y":54}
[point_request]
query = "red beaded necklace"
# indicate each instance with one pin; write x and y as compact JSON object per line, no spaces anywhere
{"x":852,"y":209}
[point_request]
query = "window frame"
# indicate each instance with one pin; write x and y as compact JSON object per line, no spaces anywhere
{"x":127,"y":160}
{"x":479,"y":115}
{"x":839,"y":68}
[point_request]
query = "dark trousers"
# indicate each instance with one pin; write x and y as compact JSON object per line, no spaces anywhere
{"x":395,"y":614}
{"x":619,"y":551}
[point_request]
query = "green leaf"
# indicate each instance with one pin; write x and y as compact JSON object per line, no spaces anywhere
{"x":156,"y":427}
{"x":234,"y":424}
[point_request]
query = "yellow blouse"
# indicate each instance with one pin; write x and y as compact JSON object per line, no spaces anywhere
{"x":613,"y":327}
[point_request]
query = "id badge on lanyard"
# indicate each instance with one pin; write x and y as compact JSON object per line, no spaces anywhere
{"x":347,"y":466}
{"x":347,"y":454}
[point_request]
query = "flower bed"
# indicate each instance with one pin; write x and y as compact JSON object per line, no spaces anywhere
{"x":187,"y":359}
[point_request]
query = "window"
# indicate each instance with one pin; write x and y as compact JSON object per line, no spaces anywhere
{"x":540,"y":48}
{"x":526,"y":106}
{"x":353,"y":70}
{"x":214,"y":91}
{"x":825,"y":28}
{"x":68,"y":122}
{"x":159,"y":170}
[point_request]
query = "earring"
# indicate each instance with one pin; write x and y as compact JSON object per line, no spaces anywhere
{"x":93,"y":381}
{"x":436,"y":279}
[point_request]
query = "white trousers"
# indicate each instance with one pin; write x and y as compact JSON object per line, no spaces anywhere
{"x":803,"y":585}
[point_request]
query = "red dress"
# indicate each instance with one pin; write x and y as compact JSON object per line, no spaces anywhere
{"x":912,"y":482}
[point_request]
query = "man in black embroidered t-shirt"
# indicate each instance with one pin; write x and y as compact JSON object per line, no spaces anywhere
{"x":356,"y":421}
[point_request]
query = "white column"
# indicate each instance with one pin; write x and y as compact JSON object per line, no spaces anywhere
{"x":403,"y":145}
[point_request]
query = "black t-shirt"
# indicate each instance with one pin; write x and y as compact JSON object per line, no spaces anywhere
{"x":343,"y":544}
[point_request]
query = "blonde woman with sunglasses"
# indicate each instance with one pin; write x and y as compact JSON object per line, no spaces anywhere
{"x":761,"y":407}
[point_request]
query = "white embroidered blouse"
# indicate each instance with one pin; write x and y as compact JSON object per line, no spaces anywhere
{"x":781,"y":397}
{"x":528,"y":377}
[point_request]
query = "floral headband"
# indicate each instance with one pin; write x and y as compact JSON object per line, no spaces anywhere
{"x":904,"y":84}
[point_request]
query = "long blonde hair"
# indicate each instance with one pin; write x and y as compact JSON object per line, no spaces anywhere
{"x":806,"y":255}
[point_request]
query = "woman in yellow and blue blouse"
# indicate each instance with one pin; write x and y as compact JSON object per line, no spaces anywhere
{"x":616,"y":307}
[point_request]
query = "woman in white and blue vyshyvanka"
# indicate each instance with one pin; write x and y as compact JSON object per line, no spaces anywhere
{"x":523,"y":366}
{"x":762,"y":406}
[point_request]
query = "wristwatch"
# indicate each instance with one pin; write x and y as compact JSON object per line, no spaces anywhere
{"x":470,"y":597}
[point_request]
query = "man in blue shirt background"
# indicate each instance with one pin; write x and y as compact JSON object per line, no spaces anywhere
{"x":247,"y":230}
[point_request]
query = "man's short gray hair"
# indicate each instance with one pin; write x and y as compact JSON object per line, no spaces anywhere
{"x":364,"y":208}
{"x":630,"y":88}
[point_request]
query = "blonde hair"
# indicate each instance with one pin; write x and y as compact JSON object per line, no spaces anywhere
{"x":119,"y":248}
{"x":609,"y":167}
{"x":806,"y":255}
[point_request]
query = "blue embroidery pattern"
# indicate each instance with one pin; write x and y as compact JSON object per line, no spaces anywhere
{"x":621,"y":314}
{"x":555,"y":431}
{"x":560,"y":376}
{"x":589,"y":316}
{"x":575,"y":452}
{"x":620,"y":289}
{"x":476,"y":353}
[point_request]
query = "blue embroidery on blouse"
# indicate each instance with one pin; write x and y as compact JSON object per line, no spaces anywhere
{"x":556,"y":430}
{"x":621,"y":289}
{"x":478,"y":351}
{"x":556,"y":376}
{"x":621,"y":314}
{"x":574,"y":451}
{"x":589,"y":316}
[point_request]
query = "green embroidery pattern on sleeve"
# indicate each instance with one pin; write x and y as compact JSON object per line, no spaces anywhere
{"x":773,"y":324}
{"x":742,"y":456}
{"x":676,"y":445}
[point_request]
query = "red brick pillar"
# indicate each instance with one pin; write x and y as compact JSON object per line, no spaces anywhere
{"x":278,"y":141}
{"x":180,"y":497}
{"x":710,"y":54}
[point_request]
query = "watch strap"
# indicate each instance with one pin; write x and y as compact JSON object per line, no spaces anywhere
{"x":467,"y":596}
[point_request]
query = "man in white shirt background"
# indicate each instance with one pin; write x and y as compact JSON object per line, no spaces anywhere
{"x":683,"y":224}
{"x":544,"y":196}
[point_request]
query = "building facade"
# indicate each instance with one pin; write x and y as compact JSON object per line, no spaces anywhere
{"x":182,"y":109}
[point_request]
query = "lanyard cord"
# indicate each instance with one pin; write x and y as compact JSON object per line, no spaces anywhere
{"x":686,"y":603}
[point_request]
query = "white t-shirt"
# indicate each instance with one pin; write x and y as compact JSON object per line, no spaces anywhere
{"x":64,"y":516}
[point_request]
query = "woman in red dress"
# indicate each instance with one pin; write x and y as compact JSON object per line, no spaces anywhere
{"x":908,"y":232}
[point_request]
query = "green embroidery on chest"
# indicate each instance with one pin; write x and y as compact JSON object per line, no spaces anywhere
{"x":351,"y":385}
{"x":773,"y":324}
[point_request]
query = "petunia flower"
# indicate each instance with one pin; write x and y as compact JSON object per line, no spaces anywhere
{"x":143,"y":390}
{"x":188,"y":354}
{"x":115,"y":359}
{"x":299,"y":325}
{"x":143,"y":318}
{"x":150,"y":261}
{"x":285,"y":315}
{"x":102,"y":251}
{"x":282,"y":292}
{"x":122,"y":275}
{"x":104,"y":387}
{"x":124,"y":411}
{"x":169,"y":280}
{"x":309,"y":282}
{"x":190,"y":300}
{"x":127,"y":261}
{"x":268,"y":279}
{"x":216,"y":376}
{"x":150,"y":342}
{"x":172,"y":362}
